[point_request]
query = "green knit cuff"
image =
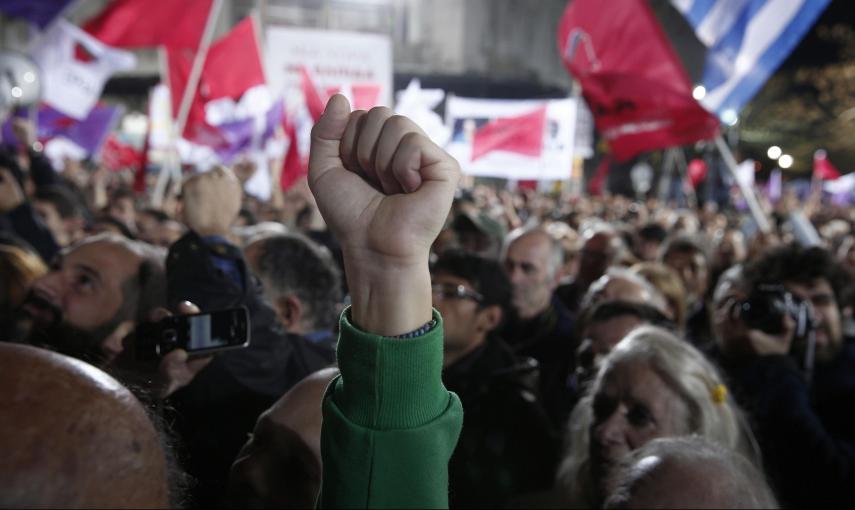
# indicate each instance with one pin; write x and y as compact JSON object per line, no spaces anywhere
{"x":390,"y":383}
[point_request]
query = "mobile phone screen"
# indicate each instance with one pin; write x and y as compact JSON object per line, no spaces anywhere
{"x":201,"y":334}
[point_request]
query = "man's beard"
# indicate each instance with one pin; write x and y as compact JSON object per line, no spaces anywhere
{"x":41,"y":324}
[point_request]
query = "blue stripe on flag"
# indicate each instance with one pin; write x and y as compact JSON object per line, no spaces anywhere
{"x":721,"y":59}
{"x":774,"y":56}
{"x":699,"y":10}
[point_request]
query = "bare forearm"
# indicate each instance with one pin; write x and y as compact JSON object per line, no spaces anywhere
{"x":388,"y":299}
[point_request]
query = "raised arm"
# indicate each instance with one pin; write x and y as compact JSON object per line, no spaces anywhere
{"x":389,"y":425}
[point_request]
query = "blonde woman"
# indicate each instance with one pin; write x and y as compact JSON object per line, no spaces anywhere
{"x":651,"y":385}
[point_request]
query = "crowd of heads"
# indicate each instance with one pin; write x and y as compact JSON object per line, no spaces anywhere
{"x":643,"y":411}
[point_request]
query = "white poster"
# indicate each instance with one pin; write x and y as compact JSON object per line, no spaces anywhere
{"x":465,"y":117}
{"x":358,"y":65}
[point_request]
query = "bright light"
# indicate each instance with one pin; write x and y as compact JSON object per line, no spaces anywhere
{"x":774,"y":152}
{"x":729,"y":117}
{"x":29,"y":77}
{"x":785,"y":161}
{"x":17,"y":92}
{"x":699,"y":92}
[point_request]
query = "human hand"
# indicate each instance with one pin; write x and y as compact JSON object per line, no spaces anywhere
{"x":24,"y":131}
{"x":211,"y":201}
{"x":11,"y":194}
{"x":738,"y":339}
{"x":385,"y":191}
{"x":170,"y":373}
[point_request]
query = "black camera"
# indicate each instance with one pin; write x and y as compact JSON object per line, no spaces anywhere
{"x":767,"y":306}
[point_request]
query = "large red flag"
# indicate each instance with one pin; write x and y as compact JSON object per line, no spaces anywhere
{"x":823,"y":169}
{"x":522,"y":134}
{"x":634,"y":83}
{"x":144,"y":23}
{"x":232,"y":66}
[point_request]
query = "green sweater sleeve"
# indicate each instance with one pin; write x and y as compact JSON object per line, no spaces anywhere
{"x":390,"y":426}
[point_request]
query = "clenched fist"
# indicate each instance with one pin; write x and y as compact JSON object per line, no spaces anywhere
{"x":385,"y":190}
{"x":211,"y":201}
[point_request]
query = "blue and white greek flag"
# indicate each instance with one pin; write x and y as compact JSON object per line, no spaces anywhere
{"x":746,"y":41}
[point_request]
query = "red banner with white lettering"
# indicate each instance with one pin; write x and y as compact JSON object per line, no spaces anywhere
{"x":635,"y":85}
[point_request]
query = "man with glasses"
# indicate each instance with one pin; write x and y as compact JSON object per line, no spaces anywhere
{"x":507,"y":447}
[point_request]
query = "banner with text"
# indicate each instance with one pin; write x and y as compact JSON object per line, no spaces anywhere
{"x":512,"y":139}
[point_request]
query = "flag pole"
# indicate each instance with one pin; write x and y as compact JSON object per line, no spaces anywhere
{"x":172,"y":166}
{"x":747,"y":193}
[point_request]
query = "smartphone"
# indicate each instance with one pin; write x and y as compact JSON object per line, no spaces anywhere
{"x":199,"y":334}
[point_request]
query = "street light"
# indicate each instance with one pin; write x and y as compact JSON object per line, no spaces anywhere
{"x":785,"y":161}
{"x":774,"y":152}
{"x":699,"y":92}
{"x":729,"y":117}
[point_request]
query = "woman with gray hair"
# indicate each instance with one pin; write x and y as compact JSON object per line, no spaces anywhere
{"x":651,"y":385}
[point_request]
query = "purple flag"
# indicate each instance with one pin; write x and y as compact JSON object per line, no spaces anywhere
{"x":238,"y":135}
{"x":89,"y":133}
{"x":37,"y":12}
{"x":775,"y":186}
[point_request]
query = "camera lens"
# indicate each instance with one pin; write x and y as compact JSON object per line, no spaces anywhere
{"x":169,"y":336}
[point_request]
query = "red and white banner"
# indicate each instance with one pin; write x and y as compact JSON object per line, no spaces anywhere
{"x":512,"y":139}
{"x":638,"y":91}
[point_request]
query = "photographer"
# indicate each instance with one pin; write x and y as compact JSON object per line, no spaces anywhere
{"x":801,"y":409}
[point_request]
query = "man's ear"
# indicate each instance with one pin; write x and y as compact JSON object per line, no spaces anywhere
{"x":489,"y":318}
{"x":290,"y":310}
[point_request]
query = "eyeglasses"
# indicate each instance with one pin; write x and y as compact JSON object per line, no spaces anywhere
{"x":450,"y":291}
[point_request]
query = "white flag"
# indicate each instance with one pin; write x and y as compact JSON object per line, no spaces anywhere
{"x":71,"y":85}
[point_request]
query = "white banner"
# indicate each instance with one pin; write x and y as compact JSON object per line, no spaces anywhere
{"x":358,"y":65}
{"x":72,"y":85}
{"x":464,"y":116}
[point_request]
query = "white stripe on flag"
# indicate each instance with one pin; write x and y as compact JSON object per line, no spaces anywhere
{"x":719,"y":20}
{"x":762,"y":31}
{"x":682,"y":5}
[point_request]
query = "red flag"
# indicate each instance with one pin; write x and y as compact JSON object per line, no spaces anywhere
{"x":314,"y":101}
{"x":697,"y":171}
{"x":293,"y":167}
{"x":823,"y":169}
{"x":636,"y":87}
{"x":522,"y":134}
{"x":141,"y":23}
{"x":232,"y":66}
{"x":598,"y":182}
{"x":117,"y":155}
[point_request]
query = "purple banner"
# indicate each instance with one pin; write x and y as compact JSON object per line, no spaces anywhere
{"x":37,"y":12}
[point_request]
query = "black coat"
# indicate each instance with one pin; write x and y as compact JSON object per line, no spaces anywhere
{"x":217,"y":411}
{"x":806,"y":432}
{"x":507,"y":446}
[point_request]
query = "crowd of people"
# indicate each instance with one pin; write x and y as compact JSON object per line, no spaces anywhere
{"x":417,"y":344}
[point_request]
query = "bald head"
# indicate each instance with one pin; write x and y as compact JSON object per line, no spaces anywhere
{"x":688,"y":472}
{"x":280,"y":465}
{"x":72,"y":436}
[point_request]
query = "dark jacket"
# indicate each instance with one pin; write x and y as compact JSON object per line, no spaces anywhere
{"x":508,"y":446}
{"x":806,"y":432}
{"x":219,"y":408}
{"x":548,"y":338}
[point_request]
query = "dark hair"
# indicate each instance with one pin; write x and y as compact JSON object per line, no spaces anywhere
{"x":158,"y":215}
{"x":120,"y":193}
{"x":292,"y":263}
{"x":608,"y":310}
{"x":110,"y":220}
{"x":652,"y":232}
{"x":799,"y":264}
{"x":248,"y":216}
{"x":62,"y":199}
{"x":684,"y":244}
{"x":485,"y":275}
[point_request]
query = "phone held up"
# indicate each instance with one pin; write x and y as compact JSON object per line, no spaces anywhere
{"x":199,"y":334}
